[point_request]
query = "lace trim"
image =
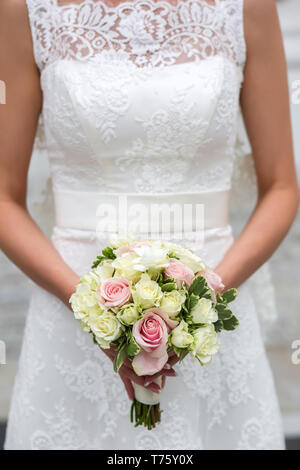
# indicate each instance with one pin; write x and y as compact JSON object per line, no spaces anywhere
{"x":145,"y":32}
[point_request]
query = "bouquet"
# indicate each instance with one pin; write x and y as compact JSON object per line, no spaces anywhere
{"x":146,"y":298}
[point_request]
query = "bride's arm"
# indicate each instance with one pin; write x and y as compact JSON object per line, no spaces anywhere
{"x":265,"y":105}
{"x":20,"y":238}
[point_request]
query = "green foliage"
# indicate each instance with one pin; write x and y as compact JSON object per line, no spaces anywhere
{"x":198,"y":286}
{"x":133,"y":348}
{"x":219,"y":326}
{"x":169,"y":286}
{"x":224,"y":312}
{"x":121,"y":357}
{"x":107,"y":253}
{"x":230,"y":295}
{"x":172,"y":255}
{"x":231,"y":324}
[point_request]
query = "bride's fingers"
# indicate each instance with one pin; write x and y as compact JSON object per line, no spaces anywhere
{"x":173,"y":360}
{"x":128,"y":386}
{"x":131,"y":375}
{"x":165,"y":373}
{"x":171,"y":353}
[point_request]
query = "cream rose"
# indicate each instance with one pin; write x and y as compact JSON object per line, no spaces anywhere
{"x":172,"y":302}
{"x":128,"y":314}
{"x":147,"y":293}
{"x":104,"y":271}
{"x":106,"y":328}
{"x":125,"y":266}
{"x":204,"y":312}
{"x":83,"y":299}
{"x":180,"y":336}
{"x":206,"y":343}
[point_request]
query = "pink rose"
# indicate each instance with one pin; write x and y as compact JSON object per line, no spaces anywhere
{"x":114,"y":292}
{"x":180,"y":272}
{"x":213,"y":279}
{"x":151,"y":334}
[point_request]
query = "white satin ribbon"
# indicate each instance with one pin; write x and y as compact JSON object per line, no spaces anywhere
{"x":143,"y":213}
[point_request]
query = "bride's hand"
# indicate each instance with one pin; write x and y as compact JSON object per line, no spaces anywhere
{"x":128,"y":375}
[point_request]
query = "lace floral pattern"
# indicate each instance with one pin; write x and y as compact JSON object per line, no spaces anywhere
{"x":146,"y":32}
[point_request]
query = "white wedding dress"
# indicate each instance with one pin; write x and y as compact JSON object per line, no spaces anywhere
{"x":140,"y":98}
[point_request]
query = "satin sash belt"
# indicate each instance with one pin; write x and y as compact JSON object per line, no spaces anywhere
{"x":143,"y":212}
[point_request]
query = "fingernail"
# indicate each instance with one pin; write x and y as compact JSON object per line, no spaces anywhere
{"x":172,"y":373}
{"x":167,"y":366}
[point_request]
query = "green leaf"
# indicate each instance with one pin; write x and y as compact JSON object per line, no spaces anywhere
{"x":192,"y":302}
{"x":172,"y":255}
{"x":207,"y":294}
{"x":120,"y":357}
{"x":133,"y":348}
{"x":230,"y":295}
{"x":178,"y":351}
{"x":224,"y":312}
{"x":218,"y":326}
{"x":97,"y":262}
{"x":108,"y":253}
{"x":198,"y":286}
{"x":169,"y":287}
{"x":231,"y":324}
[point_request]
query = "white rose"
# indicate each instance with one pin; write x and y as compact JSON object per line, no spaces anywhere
{"x":128,"y":315}
{"x":151,"y":257}
{"x":180,"y":337}
{"x":125,"y":267}
{"x":172,"y":302}
{"x":204,"y":312}
{"x":106,"y":328}
{"x":206,"y":344}
{"x":187,"y":257}
{"x":104,"y":271}
{"x":147,"y":293}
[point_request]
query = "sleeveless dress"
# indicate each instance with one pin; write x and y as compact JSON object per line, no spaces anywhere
{"x":140,"y":99}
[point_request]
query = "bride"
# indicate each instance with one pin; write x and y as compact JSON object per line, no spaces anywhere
{"x":141,"y":97}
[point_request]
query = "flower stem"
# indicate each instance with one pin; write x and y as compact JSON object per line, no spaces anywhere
{"x":146,"y":415}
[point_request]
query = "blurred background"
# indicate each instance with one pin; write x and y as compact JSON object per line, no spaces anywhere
{"x":285,"y":268}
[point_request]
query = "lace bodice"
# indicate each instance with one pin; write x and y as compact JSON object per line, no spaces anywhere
{"x":142,"y":96}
